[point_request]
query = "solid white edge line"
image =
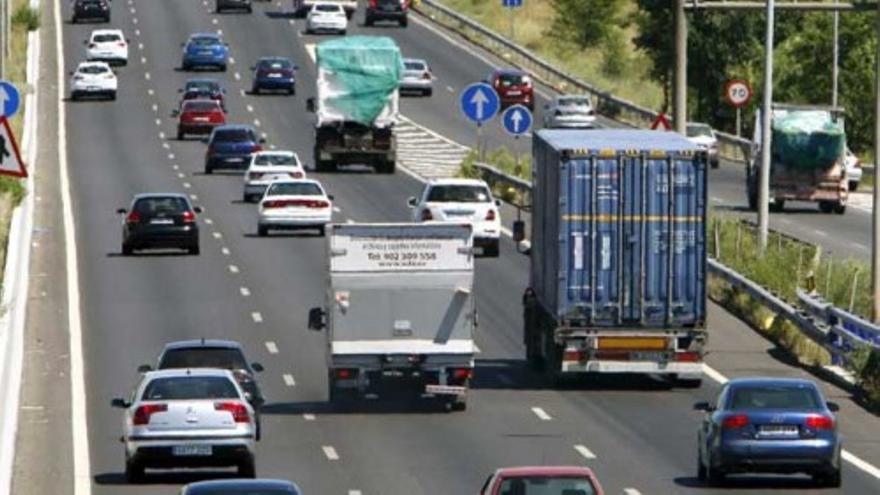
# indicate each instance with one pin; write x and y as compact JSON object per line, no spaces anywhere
{"x":541,"y":414}
{"x":631,"y":491}
{"x":330,"y":452}
{"x":584,"y":451}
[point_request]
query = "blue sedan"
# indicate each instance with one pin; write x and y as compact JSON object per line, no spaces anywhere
{"x":769,"y":425}
{"x":274,"y":73}
{"x":205,"y":50}
{"x":240,"y":487}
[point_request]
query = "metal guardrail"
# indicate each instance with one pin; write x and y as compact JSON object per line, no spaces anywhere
{"x":623,"y":111}
{"x":500,"y":182}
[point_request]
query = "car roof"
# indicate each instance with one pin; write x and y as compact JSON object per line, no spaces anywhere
{"x":276,"y":152}
{"x":546,"y":471}
{"x":298,"y":181}
{"x":215,"y":343}
{"x":274,"y":58}
{"x":510,"y":72}
{"x":160,"y":195}
{"x":205,"y":35}
{"x":457,"y":182}
{"x":244,"y":483}
{"x":766,"y":380}
{"x":419,"y":60}
{"x":182,"y":372}
{"x":106,"y":31}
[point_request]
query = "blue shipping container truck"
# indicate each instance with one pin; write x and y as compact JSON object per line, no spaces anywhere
{"x":618,"y":254}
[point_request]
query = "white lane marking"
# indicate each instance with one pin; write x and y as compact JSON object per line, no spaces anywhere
{"x":237,"y":76}
{"x":166,"y":146}
{"x":187,"y":185}
{"x":151,"y":92}
{"x":233,"y":269}
{"x":158,"y":122}
{"x":847,"y":455}
{"x":308,"y":417}
{"x":214,"y":21}
{"x":354,"y":492}
{"x":171,"y":156}
{"x":231,"y":61}
{"x":631,"y":491}
{"x":860,"y":246}
{"x":288,"y":380}
{"x":585,"y":452}
{"x":217,"y":235}
{"x":820,"y":233}
{"x":137,"y":32}
{"x":271,"y":347}
{"x":219,"y":32}
{"x":194,"y":197}
{"x":209,"y":221}
{"x":264,"y":135}
{"x":242,"y":91}
{"x":140,"y":46}
{"x":257,"y":317}
{"x":133,"y":10}
{"x":330,"y":452}
{"x":450,"y":89}
{"x":225,"y":251}
{"x":349,"y":220}
{"x":147,"y":76}
{"x":249,"y":108}
{"x":290,"y":21}
{"x":541,"y":414}
{"x":180,"y":175}
{"x":175,"y":167}
{"x":245,"y":292}
{"x":161,"y":135}
{"x":337,"y":209}
{"x":143,"y":61}
{"x":716,"y":199}
{"x":257,"y":123}
{"x":134,"y":20}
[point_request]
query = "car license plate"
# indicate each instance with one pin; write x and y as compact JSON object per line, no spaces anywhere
{"x":779,"y":430}
{"x":275,"y":75}
{"x":93,"y":88}
{"x":201,"y":119}
{"x":162,"y":221}
{"x":192,"y":450}
{"x":514,"y":93}
{"x":235,"y":160}
{"x":445,"y":390}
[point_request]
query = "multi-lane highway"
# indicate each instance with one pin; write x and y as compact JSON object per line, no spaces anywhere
{"x":638,"y":434}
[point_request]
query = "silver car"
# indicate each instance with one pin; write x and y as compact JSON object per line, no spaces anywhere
{"x":569,"y":112}
{"x":417,"y":77}
{"x":187,"y":418}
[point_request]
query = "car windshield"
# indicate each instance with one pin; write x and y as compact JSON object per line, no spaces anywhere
{"x":699,"y":130}
{"x":275,"y":64}
{"x":295,"y":189}
{"x":190,"y":388}
{"x":275,"y":160}
{"x":93,"y":69}
{"x":414,"y":65}
{"x":545,"y":485}
{"x":508,"y":79}
{"x":201,"y":106}
{"x":232,"y":135}
{"x":204,"y":41}
{"x":204,"y":357}
{"x":324,"y":7}
{"x":774,"y":397}
{"x":458,"y":194}
{"x":161,"y":206}
{"x":105,"y":38}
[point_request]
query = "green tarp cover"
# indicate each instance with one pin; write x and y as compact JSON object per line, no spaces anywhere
{"x":807,"y":139}
{"x":357,"y":75}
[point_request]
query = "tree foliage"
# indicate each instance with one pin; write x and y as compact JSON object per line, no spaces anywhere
{"x":586,"y":23}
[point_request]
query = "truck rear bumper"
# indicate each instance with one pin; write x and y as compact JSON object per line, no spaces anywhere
{"x":631,"y":367}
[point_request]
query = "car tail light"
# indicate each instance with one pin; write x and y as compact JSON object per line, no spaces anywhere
{"x":133,"y":217}
{"x":734,"y":422}
{"x":426,"y":76}
{"x":239,"y":411}
{"x":189,"y":217}
{"x":218,"y":117}
{"x":310,"y":203}
{"x":858,"y":164}
{"x":142,"y":414}
{"x":687,"y":357}
{"x":256,"y":148}
{"x":255,"y":175}
{"x":426,"y":215}
{"x":210,"y":149}
{"x":490,"y":215}
{"x":273,"y":204}
{"x":92,"y":45}
{"x":819,"y":422}
{"x":121,"y":44}
{"x":346,"y":373}
{"x":373,"y":3}
{"x":296,"y":175}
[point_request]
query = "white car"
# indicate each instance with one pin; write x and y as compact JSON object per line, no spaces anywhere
{"x":197,"y":417}
{"x":294,"y":204}
{"x":93,"y":79}
{"x":267,"y":167}
{"x":107,"y":45}
{"x":462,"y":201}
{"x":569,"y":112}
{"x":853,"y":169}
{"x":326,"y":18}
{"x":704,"y":137}
{"x":416,"y":77}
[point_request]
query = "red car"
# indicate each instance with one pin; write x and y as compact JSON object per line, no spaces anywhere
{"x":199,"y":117}
{"x":565,"y":480}
{"x":514,"y":87}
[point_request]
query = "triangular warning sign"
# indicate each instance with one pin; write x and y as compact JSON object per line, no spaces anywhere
{"x":10,"y":158}
{"x":661,"y":121}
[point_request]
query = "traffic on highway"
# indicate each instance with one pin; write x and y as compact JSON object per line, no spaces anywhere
{"x":283,"y":282}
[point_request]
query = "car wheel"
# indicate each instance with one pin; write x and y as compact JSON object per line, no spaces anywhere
{"x":185,"y":66}
{"x":255,"y":90}
{"x":403,"y":22}
{"x":127,"y":250}
{"x":193,"y":250}
{"x":840,"y":208}
{"x":714,"y":476}
{"x":180,"y":135}
{"x":74,"y":96}
{"x":368,"y":22}
{"x":701,"y":468}
{"x":428,"y":92}
{"x":826,"y":206}
{"x":221,"y":68}
{"x":853,"y":185}
{"x":715,"y":164}
{"x":292,"y":90}
{"x":262,"y":230}
{"x":492,"y":250}
{"x":829,"y":480}
{"x":250,"y":10}
{"x":321,"y":231}
{"x":134,"y":472}
{"x":342,"y":32}
{"x":208,"y":170}
{"x":112,"y":96}
{"x":247,"y":469}
{"x":777,"y":205}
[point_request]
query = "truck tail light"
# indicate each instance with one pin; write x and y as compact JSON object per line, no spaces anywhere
{"x":687,"y":357}
{"x":819,"y":422}
{"x":426,"y":215}
{"x":239,"y":411}
{"x":142,"y":414}
{"x":462,"y":374}
{"x":346,"y":373}
{"x":735,"y":422}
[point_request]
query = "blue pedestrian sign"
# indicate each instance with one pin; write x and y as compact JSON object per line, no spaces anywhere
{"x":512,"y":3}
{"x":9,"y":99}
{"x":517,"y":120}
{"x":479,"y":102}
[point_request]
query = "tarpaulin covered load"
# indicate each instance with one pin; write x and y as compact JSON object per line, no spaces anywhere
{"x":358,"y":78}
{"x":807,"y":139}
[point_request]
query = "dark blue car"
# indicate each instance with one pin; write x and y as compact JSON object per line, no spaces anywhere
{"x":769,"y":425}
{"x":241,"y":487}
{"x":231,"y":147}
{"x":204,"y":50}
{"x":274,"y":73}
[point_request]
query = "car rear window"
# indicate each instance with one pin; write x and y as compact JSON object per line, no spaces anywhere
{"x":190,"y":388}
{"x":93,"y":69}
{"x":327,"y":8}
{"x":459,"y":194}
{"x":161,"y":206}
{"x":201,"y":106}
{"x":202,"y":86}
{"x":774,"y":397}
{"x":295,"y":189}
{"x":204,"y":41}
{"x":204,"y":357}
{"x":233,"y":135}
{"x":574,"y":102}
{"x":105,"y":38}
{"x":546,"y":485}
{"x":273,"y":160}
{"x":512,"y":79}
{"x":414,"y":65}
{"x":275,"y":64}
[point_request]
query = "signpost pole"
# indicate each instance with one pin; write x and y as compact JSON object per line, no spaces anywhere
{"x":875,"y":213}
{"x":679,"y":111}
{"x":738,"y":122}
{"x":764,"y":179}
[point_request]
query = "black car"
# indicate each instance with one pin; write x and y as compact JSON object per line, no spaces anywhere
{"x":239,"y":487}
{"x":91,"y":9}
{"x":221,"y":5}
{"x":163,"y":220}
{"x":386,"y":10}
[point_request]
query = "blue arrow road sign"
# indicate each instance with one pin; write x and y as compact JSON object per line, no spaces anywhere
{"x":517,"y":120}
{"x":511,"y":3}
{"x":479,"y":102}
{"x":9,"y":99}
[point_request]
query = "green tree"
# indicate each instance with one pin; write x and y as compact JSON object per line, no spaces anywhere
{"x":586,"y":23}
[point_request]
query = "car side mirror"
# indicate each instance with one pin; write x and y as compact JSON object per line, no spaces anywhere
{"x":198,"y":209}
{"x":833,"y":406}
{"x":128,"y":40}
{"x":316,"y":319}
{"x":175,"y":113}
{"x":295,"y":67}
{"x":703,"y":406}
{"x":70,"y":73}
{"x":519,"y":231}
{"x":331,"y":197}
{"x":262,"y":140}
{"x":144,"y":368}
{"x":206,"y":140}
{"x":248,"y":396}
{"x":497,"y":202}
{"x":257,"y":367}
{"x":253,"y":67}
{"x":121,"y":211}
{"x":412,"y":202}
{"x":119,"y":403}
{"x":310,"y":105}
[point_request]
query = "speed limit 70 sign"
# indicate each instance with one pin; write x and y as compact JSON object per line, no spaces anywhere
{"x":738,"y":92}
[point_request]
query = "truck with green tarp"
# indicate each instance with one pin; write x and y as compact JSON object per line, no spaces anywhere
{"x":357,"y":102}
{"x":807,"y":151}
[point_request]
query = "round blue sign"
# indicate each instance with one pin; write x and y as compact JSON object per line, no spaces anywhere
{"x":9,"y":99}
{"x":480,"y":102}
{"x":517,"y":120}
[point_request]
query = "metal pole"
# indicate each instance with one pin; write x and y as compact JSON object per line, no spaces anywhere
{"x":3,"y":39}
{"x":764,"y":180}
{"x":875,"y":214}
{"x":738,"y":121}
{"x":835,"y":58}
{"x":679,"y":110}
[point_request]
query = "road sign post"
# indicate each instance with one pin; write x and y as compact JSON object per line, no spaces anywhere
{"x":510,"y":5}
{"x":738,"y":92}
{"x":517,"y":120}
{"x":10,"y":157}
{"x":9,"y":99}
{"x":479,"y":103}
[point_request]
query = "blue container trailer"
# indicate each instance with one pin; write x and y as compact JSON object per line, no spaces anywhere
{"x":618,"y":254}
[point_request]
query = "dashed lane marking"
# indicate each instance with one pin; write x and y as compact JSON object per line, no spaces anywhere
{"x":271,"y":347}
{"x":257,"y":123}
{"x":237,"y":76}
{"x":541,"y":414}
{"x":151,"y":92}
{"x":217,"y":235}
{"x":257,"y":317}
{"x":209,"y":221}
{"x":249,"y":108}
{"x":308,"y":417}
{"x":288,"y":380}
{"x":233,"y":269}
{"x":631,"y":491}
{"x":585,"y":452}
{"x":225,"y":251}
{"x":194,"y":197}
{"x":330,"y":452}
{"x":147,"y":76}
{"x":181,"y":175}
{"x":245,"y":292}
{"x":187,"y":185}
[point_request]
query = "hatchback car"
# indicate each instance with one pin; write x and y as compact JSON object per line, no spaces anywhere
{"x":267,"y":167}
{"x":93,"y":79}
{"x":241,"y":487}
{"x":542,"y":480}
{"x":274,"y":73}
{"x":187,"y":418}
{"x":204,"y":50}
{"x":704,"y":137}
{"x":160,"y":220}
{"x":90,"y":10}
{"x":199,"y":117}
{"x":107,"y":45}
{"x":326,"y":18}
{"x":231,"y":147}
{"x":387,"y":10}
{"x":569,"y":112}
{"x":416,"y":77}
{"x":461,"y":200}
{"x":514,"y":87}
{"x":210,"y":87}
{"x":769,"y":425}
{"x":295,"y":204}
{"x":223,"y":5}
